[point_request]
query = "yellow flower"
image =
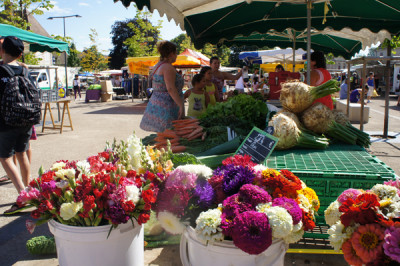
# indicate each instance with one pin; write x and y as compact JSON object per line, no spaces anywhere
{"x":142,"y":170}
{"x":58,"y":166}
{"x":269,"y":172}
{"x":384,"y":203}
{"x":69,"y":210}
{"x":168,"y":166}
{"x":312,"y":197}
{"x":159,"y":167}
{"x":151,"y":152}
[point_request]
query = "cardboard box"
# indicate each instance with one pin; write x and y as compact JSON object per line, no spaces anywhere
{"x":106,"y":96}
{"x":354,"y":110}
{"x":106,"y":86}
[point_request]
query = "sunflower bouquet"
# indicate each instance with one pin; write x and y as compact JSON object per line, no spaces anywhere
{"x":365,"y":225}
{"x":240,"y":201}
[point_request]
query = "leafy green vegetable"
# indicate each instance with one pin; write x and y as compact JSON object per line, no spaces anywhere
{"x":41,"y":245}
{"x":241,"y":113}
{"x":184,"y":158}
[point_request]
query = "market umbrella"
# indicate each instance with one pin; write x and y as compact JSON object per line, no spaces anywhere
{"x":38,"y":43}
{"x":270,"y":56}
{"x":181,"y":61}
{"x":320,"y":41}
{"x":204,"y":60}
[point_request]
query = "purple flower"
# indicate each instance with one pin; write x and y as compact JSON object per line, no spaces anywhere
{"x":232,"y":208}
{"x":347,"y":194}
{"x":252,"y":232}
{"x":116,"y":214}
{"x":234,"y":177}
{"x":391,"y":246}
{"x":49,"y":186}
{"x":291,"y":206}
{"x":173,"y":200}
{"x":253,"y":195}
{"x":204,"y":193}
{"x":118,"y":194}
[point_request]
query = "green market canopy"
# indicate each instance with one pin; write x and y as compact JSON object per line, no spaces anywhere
{"x":37,"y":43}
{"x":211,"y":21}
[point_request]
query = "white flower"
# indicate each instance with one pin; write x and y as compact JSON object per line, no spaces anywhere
{"x":170,"y":223}
{"x":338,"y":234}
{"x":62,"y":173}
{"x":198,"y":169}
{"x":294,"y":236}
{"x":207,"y":225}
{"x":83,"y":167}
{"x":259,"y":167}
{"x":58,"y":166}
{"x":385,"y":192}
{"x":304,"y":203}
{"x":136,"y":151}
{"x":132,"y":193}
{"x":332,"y":213}
{"x":280,"y":220}
{"x":69,"y":210}
{"x":298,"y":226}
{"x":62,"y":184}
{"x":263,"y":206}
{"x":389,"y":208}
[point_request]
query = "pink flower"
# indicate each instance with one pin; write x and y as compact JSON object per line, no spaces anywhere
{"x":394,"y":183}
{"x":367,"y":241}
{"x":27,"y":195}
{"x":349,"y":193}
{"x":179,"y":178}
{"x":392,"y":243}
{"x":30,"y":225}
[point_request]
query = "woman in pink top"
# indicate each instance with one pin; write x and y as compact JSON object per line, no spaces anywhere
{"x":319,"y":75}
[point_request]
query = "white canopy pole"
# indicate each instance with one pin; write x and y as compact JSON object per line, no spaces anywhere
{"x":309,"y":6}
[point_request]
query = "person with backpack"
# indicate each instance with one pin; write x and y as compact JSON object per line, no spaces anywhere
{"x":20,"y":109}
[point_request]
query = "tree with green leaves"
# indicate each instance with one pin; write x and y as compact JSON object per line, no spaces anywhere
{"x":92,"y":59}
{"x":183,"y":42}
{"x":133,"y":37}
{"x":222,"y":52}
{"x":73,"y":58}
{"x":15,"y":12}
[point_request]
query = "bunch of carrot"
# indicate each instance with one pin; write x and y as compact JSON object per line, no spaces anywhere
{"x":185,"y":128}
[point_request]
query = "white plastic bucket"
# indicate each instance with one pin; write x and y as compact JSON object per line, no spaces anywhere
{"x":90,"y":245}
{"x":194,"y":252}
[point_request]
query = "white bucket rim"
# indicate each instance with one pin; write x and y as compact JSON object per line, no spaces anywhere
{"x":96,"y":233}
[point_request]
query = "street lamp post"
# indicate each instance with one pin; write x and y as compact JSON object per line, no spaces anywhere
{"x":65,"y":53}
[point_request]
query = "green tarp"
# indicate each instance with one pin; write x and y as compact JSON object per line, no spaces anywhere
{"x":38,"y":43}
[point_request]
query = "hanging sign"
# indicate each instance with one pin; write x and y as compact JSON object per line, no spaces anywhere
{"x":138,"y":68}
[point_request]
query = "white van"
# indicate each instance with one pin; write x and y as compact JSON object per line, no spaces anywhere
{"x":45,"y":77}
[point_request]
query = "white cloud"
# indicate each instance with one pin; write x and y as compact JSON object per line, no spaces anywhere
{"x":57,"y":10}
{"x":83,"y":4}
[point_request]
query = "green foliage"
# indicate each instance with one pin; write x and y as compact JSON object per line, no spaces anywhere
{"x":41,"y":245}
{"x":11,"y":11}
{"x":183,"y":159}
{"x":92,"y":59}
{"x":234,"y":56}
{"x":393,"y":43}
{"x":31,"y":59}
{"x":222,"y":52}
{"x":73,"y":57}
{"x":240,"y":113}
{"x":143,"y":41}
{"x":183,"y":42}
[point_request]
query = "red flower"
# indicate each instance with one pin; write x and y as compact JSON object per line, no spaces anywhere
{"x":105,"y":155}
{"x":128,"y":206}
{"x":58,"y":192}
{"x":362,"y":210}
{"x":150,"y":176}
{"x":148,"y":196}
{"x":131,"y":174}
{"x":35,"y":214}
{"x":147,"y":207}
{"x":47,"y":177}
{"x":143,"y":218}
{"x":285,"y":184}
{"x":88,"y":203}
{"x":240,"y":160}
{"x":308,"y":221}
{"x":97,"y":193}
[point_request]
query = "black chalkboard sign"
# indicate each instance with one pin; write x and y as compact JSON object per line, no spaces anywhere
{"x":258,"y":144}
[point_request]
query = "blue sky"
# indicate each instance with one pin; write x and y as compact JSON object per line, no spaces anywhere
{"x":99,"y":15}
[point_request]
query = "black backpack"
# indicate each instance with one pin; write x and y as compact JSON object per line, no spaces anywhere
{"x":20,"y":104}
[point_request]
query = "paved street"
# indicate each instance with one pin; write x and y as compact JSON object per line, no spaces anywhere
{"x":97,"y":122}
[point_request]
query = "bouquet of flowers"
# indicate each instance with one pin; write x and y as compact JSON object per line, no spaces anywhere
{"x":240,"y":201}
{"x":366,"y":224}
{"x":112,"y":187}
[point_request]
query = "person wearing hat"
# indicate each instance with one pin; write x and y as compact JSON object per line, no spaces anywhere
{"x":14,"y":140}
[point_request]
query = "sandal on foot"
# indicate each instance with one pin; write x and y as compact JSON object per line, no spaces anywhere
{"x":16,"y":209}
{"x":4,"y":178}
